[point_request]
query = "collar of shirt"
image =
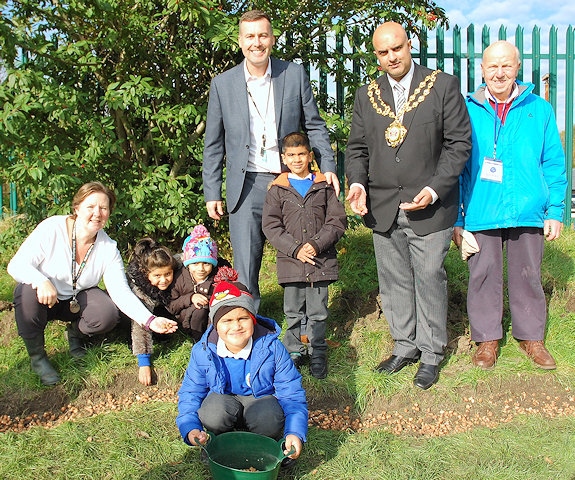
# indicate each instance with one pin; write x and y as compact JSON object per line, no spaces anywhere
{"x":251,"y":78}
{"x":512,"y":96}
{"x":405,"y":82}
{"x":295,"y":177}
{"x":243,"y":354}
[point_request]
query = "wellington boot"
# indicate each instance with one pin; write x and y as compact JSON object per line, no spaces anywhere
{"x":39,"y":360}
{"x":76,"y":340}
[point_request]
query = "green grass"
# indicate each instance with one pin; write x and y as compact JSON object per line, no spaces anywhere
{"x":142,"y":442}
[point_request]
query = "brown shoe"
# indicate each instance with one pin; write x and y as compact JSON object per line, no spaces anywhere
{"x":536,"y":351}
{"x":486,"y":354}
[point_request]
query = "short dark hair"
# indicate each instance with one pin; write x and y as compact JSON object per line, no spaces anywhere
{"x":295,"y":139}
{"x":254,"y":15}
{"x":93,"y":187}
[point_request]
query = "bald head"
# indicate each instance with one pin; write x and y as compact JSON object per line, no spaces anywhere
{"x":392,"y":49}
{"x":500,"y":67}
{"x":501,"y":47}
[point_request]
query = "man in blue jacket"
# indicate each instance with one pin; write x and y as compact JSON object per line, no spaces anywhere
{"x":513,"y":196}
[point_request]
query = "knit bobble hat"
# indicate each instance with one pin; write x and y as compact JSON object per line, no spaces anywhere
{"x":199,"y":247}
{"x":228,"y":295}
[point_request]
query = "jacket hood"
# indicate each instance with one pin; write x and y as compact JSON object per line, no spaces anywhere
{"x":282,"y":180}
{"x":479,"y":95}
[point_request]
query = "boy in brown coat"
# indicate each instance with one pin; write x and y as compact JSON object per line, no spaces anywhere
{"x":303,"y":219}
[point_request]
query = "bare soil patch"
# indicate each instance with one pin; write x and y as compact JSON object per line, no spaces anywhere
{"x":439,"y":411}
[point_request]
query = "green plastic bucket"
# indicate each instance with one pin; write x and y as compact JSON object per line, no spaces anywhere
{"x":244,"y":456}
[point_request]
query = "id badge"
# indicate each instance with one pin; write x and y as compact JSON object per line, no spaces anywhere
{"x":492,"y":170}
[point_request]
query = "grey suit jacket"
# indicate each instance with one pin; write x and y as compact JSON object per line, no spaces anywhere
{"x":227,"y":128}
{"x":434,"y":152}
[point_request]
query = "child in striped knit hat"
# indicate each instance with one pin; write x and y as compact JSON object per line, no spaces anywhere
{"x":193,"y":284}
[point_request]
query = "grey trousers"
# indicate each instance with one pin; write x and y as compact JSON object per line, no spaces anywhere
{"x":413,"y":289}
{"x":224,"y":413}
{"x":98,"y":314}
{"x":302,"y":300}
{"x":246,"y":233}
{"x":526,"y":296}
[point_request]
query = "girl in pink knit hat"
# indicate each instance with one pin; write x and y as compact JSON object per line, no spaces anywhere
{"x":193,"y":284}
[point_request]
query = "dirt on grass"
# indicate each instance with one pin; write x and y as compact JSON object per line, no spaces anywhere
{"x":438,"y":411}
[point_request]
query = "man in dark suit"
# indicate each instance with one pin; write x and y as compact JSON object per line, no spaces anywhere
{"x":410,"y":138}
{"x":251,"y":107}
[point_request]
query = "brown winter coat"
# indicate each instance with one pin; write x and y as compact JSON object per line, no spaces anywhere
{"x":289,"y":221}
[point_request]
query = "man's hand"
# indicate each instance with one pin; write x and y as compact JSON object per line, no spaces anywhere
{"x":332,"y":179}
{"x":552,"y":229}
{"x":215,"y":209}
{"x":421,"y":201}
{"x":357,"y":199}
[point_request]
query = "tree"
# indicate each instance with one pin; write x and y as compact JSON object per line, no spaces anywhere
{"x":116,"y":90}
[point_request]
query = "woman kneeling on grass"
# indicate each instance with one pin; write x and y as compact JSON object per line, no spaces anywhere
{"x":58,"y":268}
{"x":240,"y":375}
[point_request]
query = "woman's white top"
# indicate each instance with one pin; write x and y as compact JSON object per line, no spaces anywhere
{"x":47,"y":255}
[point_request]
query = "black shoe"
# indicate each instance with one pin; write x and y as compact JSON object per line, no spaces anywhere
{"x":288,"y":463}
{"x":426,"y":375}
{"x":298,"y":359}
{"x":318,"y":365}
{"x":394,"y":364}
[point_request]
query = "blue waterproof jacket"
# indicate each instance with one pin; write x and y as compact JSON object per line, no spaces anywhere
{"x":529,"y":147}
{"x":272,"y":372}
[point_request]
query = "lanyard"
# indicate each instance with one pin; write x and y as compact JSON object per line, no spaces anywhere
{"x":498,"y":124}
{"x":76,"y":276}
{"x":262,"y":151}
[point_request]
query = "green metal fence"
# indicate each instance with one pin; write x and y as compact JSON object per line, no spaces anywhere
{"x":459,"y":52}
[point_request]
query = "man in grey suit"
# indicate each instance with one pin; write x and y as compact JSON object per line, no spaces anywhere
{"x":410,"y":138}
{"x":251,"y":107}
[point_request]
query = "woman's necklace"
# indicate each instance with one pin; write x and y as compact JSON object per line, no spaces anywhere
{"x":74,"y":305}
{"x":396,"y":132}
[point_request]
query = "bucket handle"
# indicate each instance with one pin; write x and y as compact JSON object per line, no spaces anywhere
{"x":281,"y":443}
{"x":203,"y":446}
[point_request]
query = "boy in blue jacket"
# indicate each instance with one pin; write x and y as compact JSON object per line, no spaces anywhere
{"x":240,"y":376}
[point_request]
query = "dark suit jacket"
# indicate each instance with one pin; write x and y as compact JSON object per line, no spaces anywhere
{"x":228,"y":126}
{"x":433,"y":154}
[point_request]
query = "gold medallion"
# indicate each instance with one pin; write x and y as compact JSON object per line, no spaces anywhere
{"x":74,"y":306}
{"x":396,"y":132}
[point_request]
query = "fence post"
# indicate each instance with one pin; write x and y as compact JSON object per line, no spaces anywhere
{"x":536,"y":60}
{"x":519,"y":45}
{"x":471,"y":58}
{"x":569,"y":86}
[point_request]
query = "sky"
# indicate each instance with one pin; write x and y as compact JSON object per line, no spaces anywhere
{"x":510,"y":14}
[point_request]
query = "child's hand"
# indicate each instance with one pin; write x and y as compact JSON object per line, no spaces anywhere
{"x":293,"y":441}
{"x":199,"y":300}
{"x":200,"y":435}
{"x":145,"y":375}
{"x":306,"y":254}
